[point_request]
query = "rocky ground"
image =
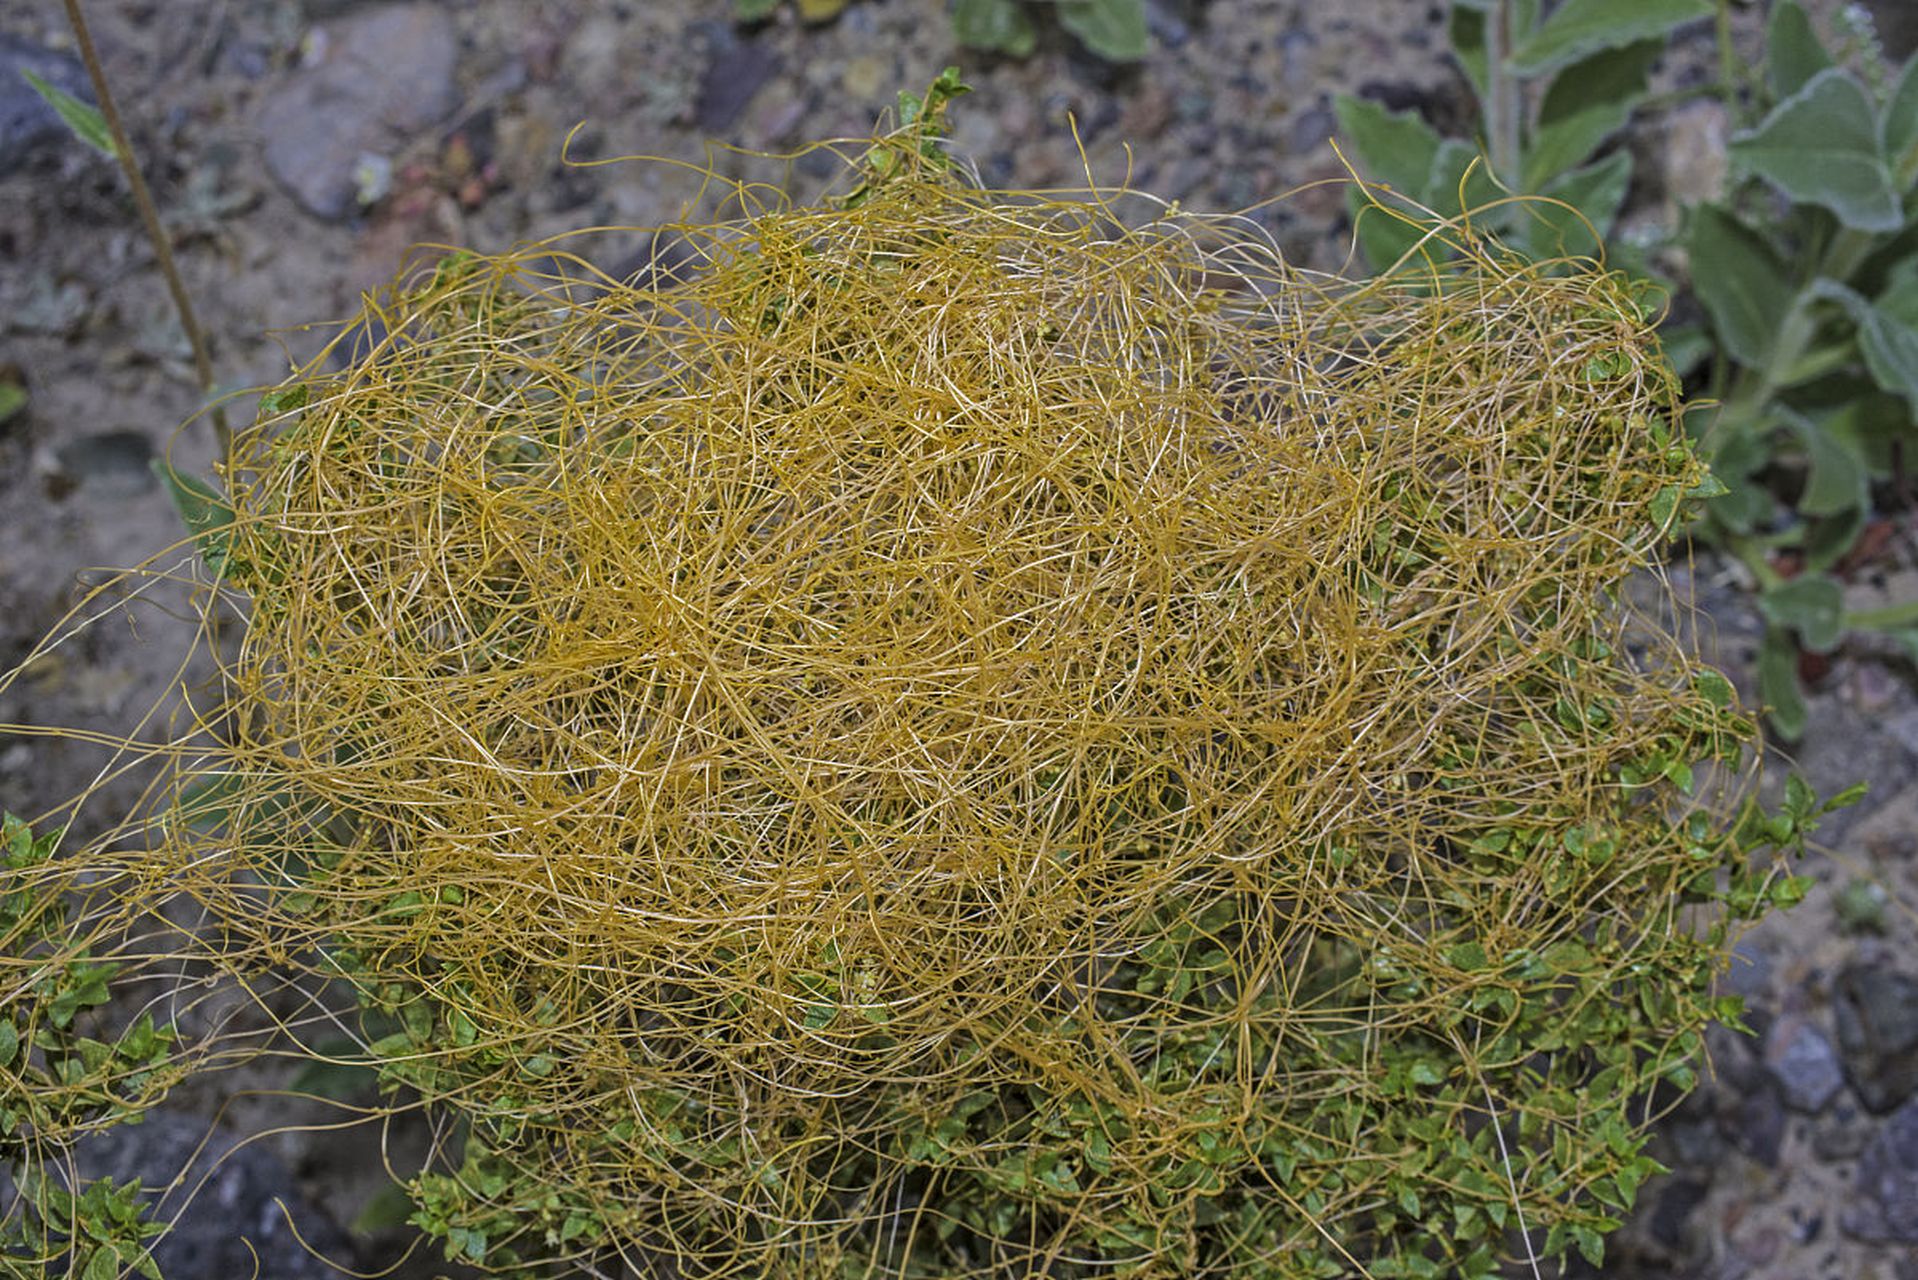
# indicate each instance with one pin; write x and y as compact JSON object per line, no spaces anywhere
{"x":298,"y":147}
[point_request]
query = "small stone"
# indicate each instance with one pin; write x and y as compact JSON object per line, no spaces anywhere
{"x":1877,"y":1017}
{"x":1695,"y":151}
{"x":1873,"y":688}
{"x":864,"y":78}
{"x":1758,"y":1125}
{"x":1842,"y":1134}
{"x":1674,"y":1207}
{"x":351,"y":103}
{"x":109,"y":463}
{"x":1803,"y":1063}
{"x":738,"y":70}
{"x":1903,"y":727}
{"x":1885,"y":1209}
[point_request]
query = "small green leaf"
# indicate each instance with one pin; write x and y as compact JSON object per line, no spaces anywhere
{"x":1113,"y":29}
{"x":1000,"y":25}
{"x":205,"y":512}
{"x":13,"y":398}
{"x":1591,"y":1245}
{"x":753,"y":10}
{"x":1710,"y":487}
{"x":284,"y":399}
{"x":1778,"y":684}
{"x":1664,"y":507}
{"x":83,"y":118}
{"x":9,"y":1041}
{"x":1849,"y":796}
{"x":388,"y":1207}
{"x":1579,"y":28}
{"x":1394,"y":148}
{"x":1743,"y":285}
{"x":1812,"y":605}
{"x":1793,"y":54}
{"x":206,"y":802}
{"x":1789,"y":891}
{"x":1714,"y":688}
{"x":103,"y":1265}
{"x":1469,"y":956}
{"x":1822,"y":146}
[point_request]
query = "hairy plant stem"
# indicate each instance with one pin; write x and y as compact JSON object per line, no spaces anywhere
{"x":1728,"y":77}
{"x":1501,"y":95}
{"x":150,"y":218}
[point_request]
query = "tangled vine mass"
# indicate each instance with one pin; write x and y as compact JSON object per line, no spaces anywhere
{"x":966,"y":733}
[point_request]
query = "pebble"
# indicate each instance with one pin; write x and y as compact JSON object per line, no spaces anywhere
{"x":1802,"y":1061}
{"x":26,"y":121}
{"x":1758,"y":1124}
{"x":1674,"y":1208}
{"x":348,"y":104}
{"x":1903,"y":728}
{"x":739,"y":68}
{"x":1877,"y":1016}
{"x":1695,"y":156}
{"x":1886,"y":1206}
{"x":1842,"y":1134}
{"x":114,"y":464}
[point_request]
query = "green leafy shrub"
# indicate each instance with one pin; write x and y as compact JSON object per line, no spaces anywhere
{"x":1553,"y":90}
{"x":1803,"y":271}
{"x":1806,"y":275}
{"x":58,"y":1083}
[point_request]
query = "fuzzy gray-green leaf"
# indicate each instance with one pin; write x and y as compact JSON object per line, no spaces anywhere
{"x":994,"y":24}
{"x":1836,"y":480}
{"x":1899,"y":125}
{"x":1822,"y":146}
{"x":1580,"y":28}
{"x":1741,"y":282}
{"x":1793,"y":54}
{"x":1395,"y":148}
{"x":1890,"y":344}
{"x":1113,"y":29}
{"x":1778,"y":684}
{"x":1812,"y":605}
{"x":1585,"y":105}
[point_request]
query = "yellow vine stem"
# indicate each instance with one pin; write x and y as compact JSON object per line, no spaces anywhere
{"x":740,"y":741}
